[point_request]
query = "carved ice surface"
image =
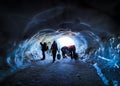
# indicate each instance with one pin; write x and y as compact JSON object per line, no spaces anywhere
{"x":104,"y":57}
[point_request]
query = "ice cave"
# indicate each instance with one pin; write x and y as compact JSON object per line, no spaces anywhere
{"x":97,"y":48}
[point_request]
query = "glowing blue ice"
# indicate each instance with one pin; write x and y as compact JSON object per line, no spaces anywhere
{"x":88,"y":46}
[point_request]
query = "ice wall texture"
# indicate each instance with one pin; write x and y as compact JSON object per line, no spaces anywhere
{"x":90,"y":29}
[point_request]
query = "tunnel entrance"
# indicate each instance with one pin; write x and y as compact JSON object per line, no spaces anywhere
{"x":65,"y":41}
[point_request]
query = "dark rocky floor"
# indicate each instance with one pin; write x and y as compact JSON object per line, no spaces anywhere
{"x":55,"y":74}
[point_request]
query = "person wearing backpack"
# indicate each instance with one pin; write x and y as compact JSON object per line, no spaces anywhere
{"x":44,"y":48}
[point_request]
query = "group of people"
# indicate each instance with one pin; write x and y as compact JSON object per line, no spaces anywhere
{"x":70,"y":51}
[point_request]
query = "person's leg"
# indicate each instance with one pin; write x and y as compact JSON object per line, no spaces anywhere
{"x":54,"y":56}
{"x":71,"y":55}
{"x":63,"y":54}
{"x":43,"y":53}
{"x":75,"y":55}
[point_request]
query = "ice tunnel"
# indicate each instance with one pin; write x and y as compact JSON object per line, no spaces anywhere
{"x":89,"y":47}
{"x":91,"y":34}
{"x":30,"y":49}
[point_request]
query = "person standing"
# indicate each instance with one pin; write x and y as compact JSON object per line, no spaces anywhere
{"x":54,"y":49}
{"x":44,"y":48}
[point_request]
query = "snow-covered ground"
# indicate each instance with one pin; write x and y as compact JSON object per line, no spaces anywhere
{"x":64,"y":72}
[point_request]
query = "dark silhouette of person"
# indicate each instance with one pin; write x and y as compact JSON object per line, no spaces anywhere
{"x":72,"y":51}
{"x":44,"y":48}
{"x":64,"y":51}
{"x":54,"y":49}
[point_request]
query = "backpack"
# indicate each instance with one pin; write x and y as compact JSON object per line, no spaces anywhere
{"x":58,"y":56}
{"x":45,"y":47}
